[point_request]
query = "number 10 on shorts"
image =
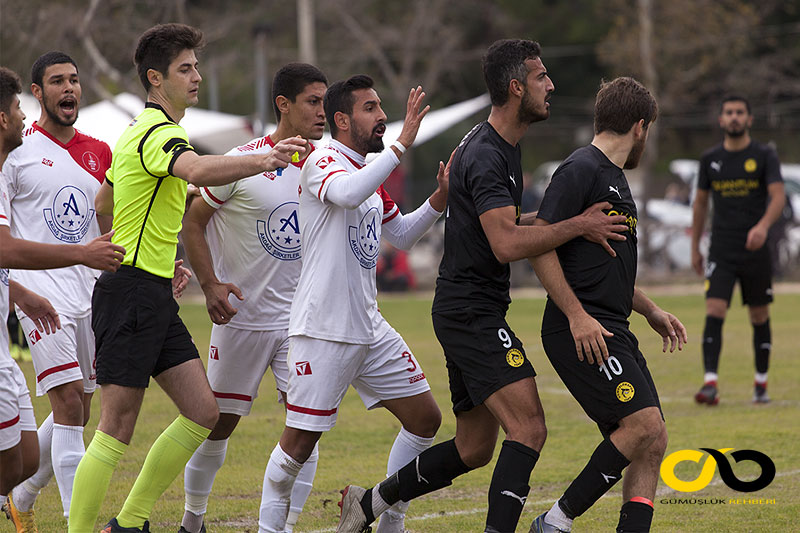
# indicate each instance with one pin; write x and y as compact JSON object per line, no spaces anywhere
{"x":611,"y":366}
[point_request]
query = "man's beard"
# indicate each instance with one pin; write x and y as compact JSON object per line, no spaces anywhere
{"x":528,"y":114}
{"x":367,"y":142}
{"x":731,"y":132}
{"x":13,"y":140}
{"x":54,"y":116}
{"x":636,"y":153}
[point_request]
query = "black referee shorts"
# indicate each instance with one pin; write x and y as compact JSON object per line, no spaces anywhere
{"x":138,"y":332}
{"x":752,"y":269}
{"x":482,"y":353}
{"x":607,"y":393}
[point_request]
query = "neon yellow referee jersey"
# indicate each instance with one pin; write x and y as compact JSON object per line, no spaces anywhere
{"x":148,"y":200}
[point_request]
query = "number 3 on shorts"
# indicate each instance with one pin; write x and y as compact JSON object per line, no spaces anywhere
{"x":505,"y":338}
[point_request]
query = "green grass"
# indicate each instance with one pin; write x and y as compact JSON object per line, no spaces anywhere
{"x":355,"y":451}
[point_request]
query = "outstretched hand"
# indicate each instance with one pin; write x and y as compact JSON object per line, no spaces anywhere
{"x":672,"y":331}
{"x":102,"y":254}
{"x":413,"y":116}
{"x":597,"y":226}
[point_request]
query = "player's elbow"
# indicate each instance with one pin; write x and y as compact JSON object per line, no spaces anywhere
{"x":504,"y":253}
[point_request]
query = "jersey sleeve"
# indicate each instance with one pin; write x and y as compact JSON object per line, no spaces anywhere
{"x":161,"y":147}
{"x":218,"y":195}
{"x":4,"y":214}
{"x":9,"y":173}
{"x":565,"y":197}
{"x":390,"y":209}
{"x":703,"y":181}
{"x":772,"y":169}
{"x":486,"y":181}
{"x":320,"y":170}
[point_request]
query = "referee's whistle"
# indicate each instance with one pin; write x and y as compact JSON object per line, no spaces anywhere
{"x":295,"y":159}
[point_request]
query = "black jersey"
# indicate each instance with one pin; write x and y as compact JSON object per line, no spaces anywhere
{"x":486,"y":173}
{"x":738,"y":184}
{"x":603,"y":284}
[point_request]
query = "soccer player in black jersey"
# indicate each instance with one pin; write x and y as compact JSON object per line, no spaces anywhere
{"x":744,"y":179}
{"x":590,"y":297}
{"x":491,"y":381}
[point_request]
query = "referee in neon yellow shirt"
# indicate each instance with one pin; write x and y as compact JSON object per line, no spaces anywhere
{"x":134,"y":315}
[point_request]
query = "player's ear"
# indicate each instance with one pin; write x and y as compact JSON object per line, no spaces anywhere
{"x":342,"y":121}
{"x":283,"y":103}
{"x":516,"y":88}
{"x":36,"y":91}
{"x":154,"y":77}
{"x":3,"y":120}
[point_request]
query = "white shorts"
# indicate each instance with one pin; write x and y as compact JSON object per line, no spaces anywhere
{"x":323,"y":370}
{"x":64,"y":356}
{"x":238,"y":360}
{"x":16,"y":409}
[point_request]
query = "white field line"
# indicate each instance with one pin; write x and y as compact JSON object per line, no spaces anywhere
{"x":431,"y":516}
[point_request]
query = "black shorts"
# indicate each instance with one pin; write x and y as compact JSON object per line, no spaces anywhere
{"x":482,"y":353}
{"x":138,"y":332}
{"x":752,"y":269}
{"x":607,"y":394}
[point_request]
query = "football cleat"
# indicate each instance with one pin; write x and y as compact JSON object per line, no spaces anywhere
{"x":540,"y":526}
{"x":23,"y":521}
{"x":352,"y":519}
{"x":114,"y":527}
{"x":760,"y":393}
{"x":707,"y":394}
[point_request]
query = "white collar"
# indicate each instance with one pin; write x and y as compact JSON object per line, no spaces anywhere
{"x":349,"y":152}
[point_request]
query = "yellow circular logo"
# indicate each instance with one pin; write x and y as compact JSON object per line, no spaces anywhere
{"x":514,"y":357}
{"x":625,"y":392}
{"x":750,"y":165}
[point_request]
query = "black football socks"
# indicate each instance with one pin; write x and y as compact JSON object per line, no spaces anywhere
{"x":602,"y":472}
{"x":509,"y":488}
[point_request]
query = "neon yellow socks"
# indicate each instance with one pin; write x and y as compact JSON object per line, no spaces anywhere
{"x":91,"y":481}
{"x":165,"y":460}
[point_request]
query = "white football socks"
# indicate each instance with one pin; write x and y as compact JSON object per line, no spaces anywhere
{"x":302,"y":488}
{"x":405,"y":448}
{"x":200,"y":472}
{"x":279,"y":478}
{"x":67,"y":451}
{"x":556,"y":517}
{"x":198,"y":479}
{"x":24,"y":494}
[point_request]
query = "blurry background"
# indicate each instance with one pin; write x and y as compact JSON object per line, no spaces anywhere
{"x":688,"y":52}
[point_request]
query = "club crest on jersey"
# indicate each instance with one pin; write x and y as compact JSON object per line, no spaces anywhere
{"x":4,"y":276}
{"x":280,"y":233}
{"x":70,"y":215}
{"x":365,"y":239}
{"x":303,"y":368}
{"x":34,"y":337}
{"x":625,"y":392}
{"x":91,"y":161}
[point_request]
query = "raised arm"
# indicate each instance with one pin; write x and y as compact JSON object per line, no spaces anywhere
{"x":206,"y":170}
{"x":199,"y":254}
{"x":403,"y":231}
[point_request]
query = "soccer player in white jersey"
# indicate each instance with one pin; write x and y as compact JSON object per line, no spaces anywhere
{"x":243,"y":241}
{"x":338,"y":337}
{"x":19,"y":444}
{"x":52,"y":180}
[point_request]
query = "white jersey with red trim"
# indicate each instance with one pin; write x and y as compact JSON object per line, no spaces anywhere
{"x":51,"y":188}
{"x":336,"y":294}
{"x":5,"y":210}
{"x":254,"y":238}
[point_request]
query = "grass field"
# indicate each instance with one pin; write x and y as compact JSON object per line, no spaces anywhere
{"x":355,"y":451}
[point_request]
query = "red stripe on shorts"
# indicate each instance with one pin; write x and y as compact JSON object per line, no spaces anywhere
{"x":9,"y":423}
{"x":309,"y":411}
{"x":55,"y":369}
{"x":233,"y":396}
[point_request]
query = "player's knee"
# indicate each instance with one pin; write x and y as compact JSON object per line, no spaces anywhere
{"x":477,"y":456}
{"x":428,"y":423}
{"x":659,"y":446}
{"x":649,"y":428}
{"x":207,"y":417}
{"x":532,"y":432}
{"x":68,"y":406}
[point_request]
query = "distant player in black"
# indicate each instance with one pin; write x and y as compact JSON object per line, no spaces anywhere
{"x":744,"y":179}
{"x":590,"y":297}
{"x":491,"y":380}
